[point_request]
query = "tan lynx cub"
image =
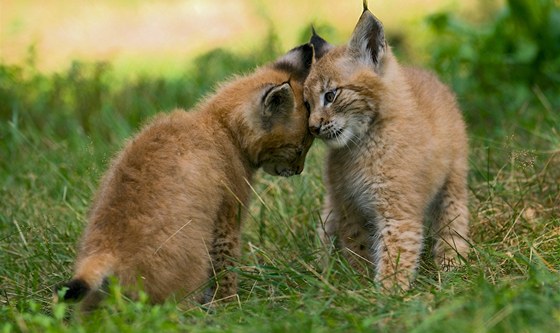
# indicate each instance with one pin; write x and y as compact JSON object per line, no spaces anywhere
{"x":397,"y":150}
{"x":167,"y":214}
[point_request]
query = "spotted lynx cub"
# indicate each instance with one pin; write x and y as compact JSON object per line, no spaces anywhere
{"x":167,"y":214}
{"x":397,"y":151}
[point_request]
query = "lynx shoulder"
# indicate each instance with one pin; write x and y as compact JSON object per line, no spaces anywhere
{"x":397,"y":156}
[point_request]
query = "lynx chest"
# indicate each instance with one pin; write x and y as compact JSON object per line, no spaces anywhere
{"x":354,"y":180}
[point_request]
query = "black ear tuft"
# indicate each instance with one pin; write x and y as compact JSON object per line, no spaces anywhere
{"x":320,"y":45}
{"x":297,"y":62}
{"x":368,"y":39}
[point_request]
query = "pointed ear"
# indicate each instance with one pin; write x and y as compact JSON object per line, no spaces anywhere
{"x":297,"y":62}
{"x":320,"y":45}
{"x":367,"y":43}
{"x":278,"y":103}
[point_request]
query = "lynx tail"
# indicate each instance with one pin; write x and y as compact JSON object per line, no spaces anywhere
{"x":91,"y":273}
{"x":75,"y":291}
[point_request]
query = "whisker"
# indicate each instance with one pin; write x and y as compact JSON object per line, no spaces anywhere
{"x":356,"y":140}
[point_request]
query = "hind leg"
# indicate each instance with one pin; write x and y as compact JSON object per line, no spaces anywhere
{"x":224,"y":252}
{"x":451,"y":222}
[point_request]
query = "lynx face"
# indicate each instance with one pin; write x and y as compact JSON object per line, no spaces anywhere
{"x":342,"y":110}
{"x":345,"y":86}
{"x":287,"y":139}
{"x":279,"y":119}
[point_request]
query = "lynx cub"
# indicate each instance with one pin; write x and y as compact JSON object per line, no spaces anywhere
{"x":397,"y":151}
{"x":167,"y":213}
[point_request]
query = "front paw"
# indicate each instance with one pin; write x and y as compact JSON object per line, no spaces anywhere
{"x":451,"y":254}
{"x":395,"y":282}
{"x":449,"y":261}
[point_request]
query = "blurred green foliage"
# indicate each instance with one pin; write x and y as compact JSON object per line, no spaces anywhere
{"x":501,"y":69}
{"x":89,"y":99}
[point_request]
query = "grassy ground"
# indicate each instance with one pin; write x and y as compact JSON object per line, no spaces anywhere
{"x":58,"y":133}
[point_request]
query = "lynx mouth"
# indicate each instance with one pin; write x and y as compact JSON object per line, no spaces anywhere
{"x":338,"y":137}
{"x":285,"y":172}
{"x":282,"y":169}
{"x":332,"y":134}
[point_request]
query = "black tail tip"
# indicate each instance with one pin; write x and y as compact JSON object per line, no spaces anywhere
{"x":73,"y":290}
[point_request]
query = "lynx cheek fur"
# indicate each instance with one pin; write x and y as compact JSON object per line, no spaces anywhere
{"x":167,"y":213}
{"x":397,"y":152}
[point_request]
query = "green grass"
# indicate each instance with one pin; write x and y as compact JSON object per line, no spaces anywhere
{"x":58,"y":133}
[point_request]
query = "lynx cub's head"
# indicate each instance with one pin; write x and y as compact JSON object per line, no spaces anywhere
{"x":276,"y":135}
{"x":347,"y":85}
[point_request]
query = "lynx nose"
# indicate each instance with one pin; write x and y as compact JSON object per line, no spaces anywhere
{"x":316,"y":121}
{"x":315,"y":129}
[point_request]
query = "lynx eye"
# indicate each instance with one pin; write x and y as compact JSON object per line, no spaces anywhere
{"x":330,"y":95}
